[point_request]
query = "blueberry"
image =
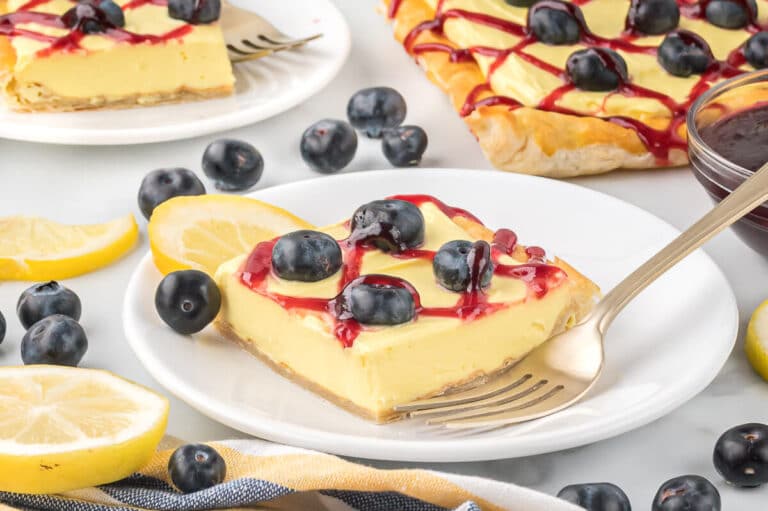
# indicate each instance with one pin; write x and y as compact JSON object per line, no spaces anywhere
{"x":380,"y":304}
{"x":306,"y":256}
{"x":684,"y":53}
{"x":521,"y":3}
{"x":160,"y":185}
{"x":328,"y":145}
{"x":653,"y":17}
{"x":741,"y":455}
{"x":187,"y":300}
{"x":196,"y":467}
{"x":687,"y":493}
{"x":389,"y":225}
{"x":452,"y":268}
{"x":555,"y":22}
{"x":376,"y":109}
{"x":756,"y":50}
{"x":43,"y":300}
{"x":2,"y":327}
{"x":57,"y":340}
{"x":195,"y":11}
{"x":596,"y":497}
{"x":233,"y":165}
{"x":87,"y":18}
{"x":404,"y":146}
{"x":113,"y":12}
{"x":731,"y":13}
{"x":597,"y":69}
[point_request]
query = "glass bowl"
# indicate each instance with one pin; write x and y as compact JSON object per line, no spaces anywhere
{"x":715,"y":172}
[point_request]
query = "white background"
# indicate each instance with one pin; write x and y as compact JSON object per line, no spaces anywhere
{"x":92,"y":184}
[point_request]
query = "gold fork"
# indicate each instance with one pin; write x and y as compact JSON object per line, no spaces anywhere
{"x":560,"y":372}
{"x":250,"y":37}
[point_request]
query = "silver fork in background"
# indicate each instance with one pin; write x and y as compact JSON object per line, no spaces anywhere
{"x":561,"y":371}
{"x":251,"y":37}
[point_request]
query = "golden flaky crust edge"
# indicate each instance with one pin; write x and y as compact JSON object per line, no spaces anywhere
{"x":528,"y":140}
{"x":583,"y":293}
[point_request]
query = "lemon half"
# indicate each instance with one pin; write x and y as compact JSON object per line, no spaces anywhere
{"x":756,"y":344}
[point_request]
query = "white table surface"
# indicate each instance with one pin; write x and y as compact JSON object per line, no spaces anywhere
{"x":89,"y":184}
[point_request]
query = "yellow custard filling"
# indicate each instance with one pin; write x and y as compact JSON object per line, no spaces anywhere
{"x":529,"y":84}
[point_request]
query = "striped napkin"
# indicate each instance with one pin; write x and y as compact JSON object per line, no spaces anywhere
{"x":266,"y":476}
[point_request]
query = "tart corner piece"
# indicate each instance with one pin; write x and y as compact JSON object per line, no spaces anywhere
{"x":48,"y":67}
{"x":454,"y":340}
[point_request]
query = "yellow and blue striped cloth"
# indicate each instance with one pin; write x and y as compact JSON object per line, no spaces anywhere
{"x":262,"y":475}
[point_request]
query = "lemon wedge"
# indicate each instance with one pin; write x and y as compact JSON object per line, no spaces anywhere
{"x":39,"y":249}
{"x":756,"y":344}
{"x":63,"y":428}
{"x":202,"y":232}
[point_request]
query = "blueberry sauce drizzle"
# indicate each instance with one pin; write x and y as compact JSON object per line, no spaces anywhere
{"x":659,"y":142}
{"x":71,"y":42}
{"x":471,"y":304}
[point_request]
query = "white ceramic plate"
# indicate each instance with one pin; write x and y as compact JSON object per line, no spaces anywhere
{"x":663,"y":349}
{"x":264,"y":88}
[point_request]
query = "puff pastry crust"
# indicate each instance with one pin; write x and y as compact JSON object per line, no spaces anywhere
{"x":525,"y":139}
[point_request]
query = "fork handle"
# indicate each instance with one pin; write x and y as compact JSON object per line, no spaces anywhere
{"x":748,"y":196}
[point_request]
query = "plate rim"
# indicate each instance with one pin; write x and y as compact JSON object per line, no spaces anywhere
{"x":70,"y":136}
{"x":433,"y":450}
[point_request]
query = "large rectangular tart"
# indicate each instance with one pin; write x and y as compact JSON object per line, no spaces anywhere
{"x":308,"y":331}
{"x":152,"y":59}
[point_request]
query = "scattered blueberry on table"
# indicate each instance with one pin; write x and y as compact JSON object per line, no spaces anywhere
{"x":196,"y":467}
{"x":741,"y":455}
{"x":596,"y":497}
{"x":46,"y":299}
{"x":160,"y":185}
{"x":375,"y":110}
{"x":233,"y":165}
{"x":187,"y":300}
{"x":56,"y":340}
{"x":687,"y":493}
{"x":328,"y":145}
{"x":306,"y":256}
{"x":404,"y":146}
{"x":389,"y":225}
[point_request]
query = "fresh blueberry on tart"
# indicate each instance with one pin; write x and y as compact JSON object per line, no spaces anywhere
{"x":306,"y":256}
{"x":741,"y":455}
{"x":404,"y":146}
{"x":521,"y":3}
{"x":683,"y":53}
{"x":453,"y":269}
{"x":596,"y":497}
{"x":55,"y":340}
{"x":87,"y":18}
{"x":653,"y":17}
{"x":731,"y":14}
{"x":556,"y":22}
{"x":756,"y":50}
{"x":46,"y":299}
{"x":113,"y":11}
{"x":328,"y":145}
{"x":597,"y":69}
{"x":380,"y":303}
{"x":689,"y":493}
{"x":196,"y":467}
{"x":389,"y":225}
{"x":376,"y":109}
{"x":160,"y":185}
{"x":233,"y":165}
{"x":197,"y":12}
{"x":187,"y":300}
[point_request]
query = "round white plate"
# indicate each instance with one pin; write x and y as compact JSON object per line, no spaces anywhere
{"x":264,"y":88}
{"x":666,"y":347}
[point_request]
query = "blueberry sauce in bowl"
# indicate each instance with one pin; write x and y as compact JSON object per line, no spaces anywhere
{"x":728,"y":142}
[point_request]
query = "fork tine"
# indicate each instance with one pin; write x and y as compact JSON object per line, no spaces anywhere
{"x":509,"y":396}
{"x":496,"y":386}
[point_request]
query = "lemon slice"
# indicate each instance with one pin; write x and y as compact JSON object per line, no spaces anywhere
{"x":40,"y":249}
{"x":202,"y":232}
{"x":63,"y":428}
{"x":756,"y":344}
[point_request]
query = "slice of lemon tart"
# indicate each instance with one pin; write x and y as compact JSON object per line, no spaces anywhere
{"x":62,"y":55}
{"x":408,"y":299}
